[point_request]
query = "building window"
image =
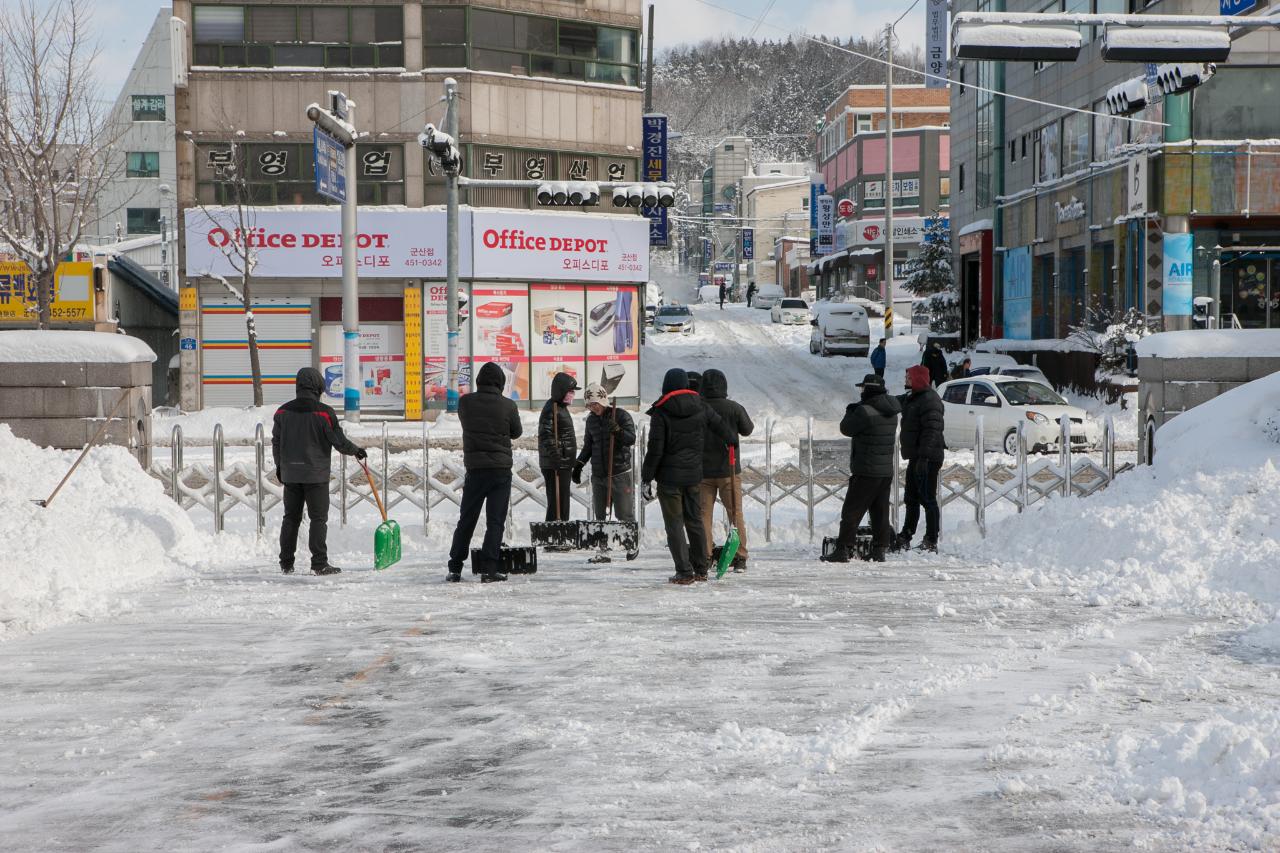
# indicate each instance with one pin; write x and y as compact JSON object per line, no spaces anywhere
{"x":1048,"y":153}
{"x":284,"y":173}
{"x":299,"y":36}
{"x":961,"y":78}
{"x":1075,"y":142}
{"x":144,"y":220}
{"x":142,"y":164}
{"x":149,"y":108}
{"x":1013,"y":150}
{"x":960,"y":177}
{"x":489,"y":40}
{"x":944,"y":190}
{"x":863,"y":121}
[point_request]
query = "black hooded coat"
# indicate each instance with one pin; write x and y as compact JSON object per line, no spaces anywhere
{"x":678,"y":426}
{"x":872,"y":424}
{"x":305,"y":432}
{"x":489,"y":422}
{"x":715,"y":451}
{"x":561,"y":457}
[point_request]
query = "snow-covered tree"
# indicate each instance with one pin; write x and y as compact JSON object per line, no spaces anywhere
{"x":1108,"y":332}
{"x":236,"y":217}
{"x":57,"y":142}
{"x":932,"y":272}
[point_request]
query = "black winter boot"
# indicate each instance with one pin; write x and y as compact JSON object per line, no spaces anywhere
{"x":839,"y":555}
{"x":492,"y":577}
{"x":680,"y":580}
{"x":286,"y":568}
{"x":930,"y":545}
{"x":454,"y":577}
{"x":877,"y":555}
{"x":325,"y":570}
{"x":900,"y":542}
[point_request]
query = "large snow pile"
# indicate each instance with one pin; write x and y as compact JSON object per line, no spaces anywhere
{"x":49,"y":345}
{"x":110,"y":529}
{"x":1212,"y":343}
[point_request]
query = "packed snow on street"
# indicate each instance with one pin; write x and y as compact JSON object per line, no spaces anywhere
{"x":1095,"y":673}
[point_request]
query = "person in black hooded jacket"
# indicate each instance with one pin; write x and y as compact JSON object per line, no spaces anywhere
{"x":923,"y":446}
{"x":558,"y":446}
{"x":872,"y":425}
{"x":490,"y":422}
{"x":937,"y":364}
{"x":678,"y":423}
{"x":717,"y":479}
{"x":304,"y":434}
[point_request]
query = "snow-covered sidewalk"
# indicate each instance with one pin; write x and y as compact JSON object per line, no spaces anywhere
{"x":911,"y":705}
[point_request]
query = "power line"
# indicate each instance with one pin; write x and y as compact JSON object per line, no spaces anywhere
{"x":927,"y":75}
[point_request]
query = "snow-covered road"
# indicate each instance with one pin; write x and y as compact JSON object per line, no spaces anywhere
{"x":918,"y":704}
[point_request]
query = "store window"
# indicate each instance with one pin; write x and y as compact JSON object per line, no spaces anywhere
{"x":149,"y":108}
{"x":143,"y":220}
{"x":298,"y":36}
{"x":1048,"y":153}
{"x":1108,"y":133}
{"x":284,"y":173}
{"x":863,"y":122}
{"x":142,"y":164}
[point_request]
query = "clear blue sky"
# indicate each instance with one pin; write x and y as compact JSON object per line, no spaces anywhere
{"x":122,"y":24}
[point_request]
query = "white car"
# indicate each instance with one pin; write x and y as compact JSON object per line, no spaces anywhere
{"x":767,"y":295}
{"x":1005,"y":401}
{"x":840,"y":328}
{"x":1023,"y":371}
{"x":674,"y":318}
{"x":790,"y":312}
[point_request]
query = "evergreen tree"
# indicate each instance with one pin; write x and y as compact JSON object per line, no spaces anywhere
{"x":931,"y":272}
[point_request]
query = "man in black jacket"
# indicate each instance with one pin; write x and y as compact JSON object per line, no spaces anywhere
{"x":716,"y":479}
{"x":872,"y":424}
{"x":608,"y":426}
{"x":557,"y":446}
{"x":304,"y":434}
{"x":936,"y":362}
{"x":677,"y":429}
{"x":489,"y":423}
{"x":923,"y":419}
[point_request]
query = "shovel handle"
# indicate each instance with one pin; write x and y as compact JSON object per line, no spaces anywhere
{"x":374,"y":489}
{"x":83,"y":453}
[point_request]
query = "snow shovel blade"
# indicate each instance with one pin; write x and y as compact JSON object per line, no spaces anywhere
{"x":386,"y":545}
{"x":727,"y":552}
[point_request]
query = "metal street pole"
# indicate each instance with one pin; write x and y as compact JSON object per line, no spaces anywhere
{"x":888,"y":183}
{"x":648,"y":74}
{"x":352,"y":379}
{"x":451,"y":252}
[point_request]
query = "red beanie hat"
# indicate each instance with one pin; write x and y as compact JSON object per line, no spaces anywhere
{"x":918,"y":377}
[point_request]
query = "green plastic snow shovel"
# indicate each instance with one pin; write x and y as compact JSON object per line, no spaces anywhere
{"x":386,"y":539}
{"x":730,"y":548}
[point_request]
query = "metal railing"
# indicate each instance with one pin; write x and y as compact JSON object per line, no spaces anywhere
{"x":797,"y":482}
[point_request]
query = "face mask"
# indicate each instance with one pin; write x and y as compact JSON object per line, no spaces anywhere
{"x":568,"y":398}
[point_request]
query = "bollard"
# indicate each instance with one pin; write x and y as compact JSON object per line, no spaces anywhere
{"x":175,"y":462}
{"x":980,"y":479}
{"x":1064,"y":441}
{"x":259,"y":457}
{"x":809,"y":468}
{"x":1024,"y":485}
{"x":768,"y":481}
{"x":217,"y":478}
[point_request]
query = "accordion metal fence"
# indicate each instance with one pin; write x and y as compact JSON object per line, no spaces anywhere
{"x":797,"y":482}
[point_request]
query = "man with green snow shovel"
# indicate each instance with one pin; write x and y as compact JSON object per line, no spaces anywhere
{"x":303,"y":436}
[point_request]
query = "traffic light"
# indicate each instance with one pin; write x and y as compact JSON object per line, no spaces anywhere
{"x":994,"y":42}
{"x":1165,"y":44}
{"x":644,"y":195}
{"x":1128,"y":97}
{"x":569,"y":194}
{"x":1174,"y":78}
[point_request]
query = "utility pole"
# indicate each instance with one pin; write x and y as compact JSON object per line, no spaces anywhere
{"x":648,"y":74}
{"x":888,"y":183}
{"x":338,"y":122}
{"x":451,"y":252}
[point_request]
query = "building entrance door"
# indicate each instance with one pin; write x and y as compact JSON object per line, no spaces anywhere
{"x":1250,"y":290}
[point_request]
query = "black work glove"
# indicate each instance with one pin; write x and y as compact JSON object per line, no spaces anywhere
{"x":615,"y":428}
{"x":577,"y":474}
{"x":361,"y":454}
{"x":647,"y":492}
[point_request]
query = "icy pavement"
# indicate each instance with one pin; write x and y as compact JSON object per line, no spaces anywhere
{"x":919,"y":704}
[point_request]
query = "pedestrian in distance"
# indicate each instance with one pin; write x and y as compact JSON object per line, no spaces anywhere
{"x":557,"y":446}
{"x":871,"y":424}
{"x":490,"y":422}
{"x":677,"y":430}
{"x":304,"y":434}
{"x":879,"y":357}
{"x":961,"y":370}
{"x":751,"y":293}
{"x":922,"y":445}
{"x":936,"y":362}
{"x":717,"y":475}
{"x":608,"y":426}
{"x":724,"y":291}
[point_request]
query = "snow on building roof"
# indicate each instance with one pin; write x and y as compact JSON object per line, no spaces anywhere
{"x":41,"y":346}
{"x":1212,"y":343}
{"x":972,"y":227}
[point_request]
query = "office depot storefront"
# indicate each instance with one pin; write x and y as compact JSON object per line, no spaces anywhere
{"x":540,"y":293}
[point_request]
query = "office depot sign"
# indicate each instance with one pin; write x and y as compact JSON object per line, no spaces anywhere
{"x":306,"y":242}
{"x":560,"y":246}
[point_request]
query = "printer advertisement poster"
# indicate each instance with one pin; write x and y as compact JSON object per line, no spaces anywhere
{"x":500,"y":333}
{"x":613,"y":337}
{"x":381,"y":364}
{"x":559,"y":335}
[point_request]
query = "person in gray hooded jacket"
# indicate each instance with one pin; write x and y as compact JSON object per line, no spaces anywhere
{"x":304,"y":434}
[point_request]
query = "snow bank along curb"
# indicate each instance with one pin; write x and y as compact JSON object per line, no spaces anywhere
{"x":50,"y":346}
{"x":111,"y":529}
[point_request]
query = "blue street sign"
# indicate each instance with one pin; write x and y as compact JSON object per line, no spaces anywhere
{"x":1236,"y":7}
{"x":748,"y":244}
{"x":655,"y":169}
{"x":724,"y":266}
{"x":331,"y":166}
{"x":188,"y":344}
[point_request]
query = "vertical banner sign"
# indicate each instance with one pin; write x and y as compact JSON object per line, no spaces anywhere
{"x":826,"y":224}
{"x":1178,"y":249}
{"x":748,"y":244}
{"x":707,"y":251}
{"x":817,"y":187}
{"x":413,"y":354}
{"x":331,"y":166}
{"x":935,"y":39}
{"x":655,"y":169}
